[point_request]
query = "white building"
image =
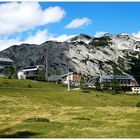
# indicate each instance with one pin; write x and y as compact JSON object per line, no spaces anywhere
{"x":123,"y":80}
{"x":30,"y":72}
{"x":136,"y":90}
{"x":74,"y":78}
{"x":21,"y":75}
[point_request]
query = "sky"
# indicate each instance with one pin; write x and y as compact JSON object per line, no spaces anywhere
{"x":37,"y":22}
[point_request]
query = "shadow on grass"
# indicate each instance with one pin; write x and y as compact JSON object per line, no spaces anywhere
{"x":5,"y":133}
{"x":37,"y":120}
{"x":85,"y":91}
{"x":20,"y":134}
{"x":81,"y":118}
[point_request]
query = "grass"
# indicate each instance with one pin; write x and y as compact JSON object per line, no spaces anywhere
{"x":47,"y":110}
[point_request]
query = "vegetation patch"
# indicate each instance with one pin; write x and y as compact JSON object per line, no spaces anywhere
{"x":29,"y":86}
{"x":103,"y":41}
{"x":138,"y":104}
{"x":105,"y":52}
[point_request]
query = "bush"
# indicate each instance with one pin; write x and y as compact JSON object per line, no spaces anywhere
{"x":138,"y":104}
{"x":29,"y":86}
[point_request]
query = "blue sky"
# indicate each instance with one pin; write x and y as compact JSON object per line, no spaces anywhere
{"x":37,"y":22}
{"x":113,"y":17}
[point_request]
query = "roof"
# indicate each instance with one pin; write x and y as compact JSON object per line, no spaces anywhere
{"x":54,"y":78}
{"x":68,"y":74}
{"x":6,"y":60}
{"x":118,"y":77}
{"x":30,"y":68}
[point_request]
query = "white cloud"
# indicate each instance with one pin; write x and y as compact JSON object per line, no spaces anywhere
{"x":62,"y":38}
{"x":5,"y":43}
{"x":42,"y":36}
{"x":17,"y":17}
{"x":76,"y":23}
{"x":99,"y":34}
{"x":38,"y":38}
{"x":136,"y":34}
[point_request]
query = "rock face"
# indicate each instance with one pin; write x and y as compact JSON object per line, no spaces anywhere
{"x":84,"y":54}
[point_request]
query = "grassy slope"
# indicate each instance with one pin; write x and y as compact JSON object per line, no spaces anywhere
{"x":71,"y":114}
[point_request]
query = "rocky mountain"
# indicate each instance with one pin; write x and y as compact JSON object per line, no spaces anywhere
{"x":85,"y":54}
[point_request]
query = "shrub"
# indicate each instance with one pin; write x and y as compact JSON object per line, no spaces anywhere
{"x":138,"y":104}
{"x":29,"y":86}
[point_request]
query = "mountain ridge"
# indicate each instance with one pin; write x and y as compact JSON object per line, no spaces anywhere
{"x":85,"y":54}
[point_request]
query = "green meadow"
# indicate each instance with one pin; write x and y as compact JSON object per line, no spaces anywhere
{"x":31,"y":109}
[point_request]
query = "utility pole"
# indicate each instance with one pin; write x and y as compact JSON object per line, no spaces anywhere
{"x":68,"y":81}
{"x":46,"y":70}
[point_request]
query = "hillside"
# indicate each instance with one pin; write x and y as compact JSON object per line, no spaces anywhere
{"x":54,"y":112}
{"x":87,"y":55}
